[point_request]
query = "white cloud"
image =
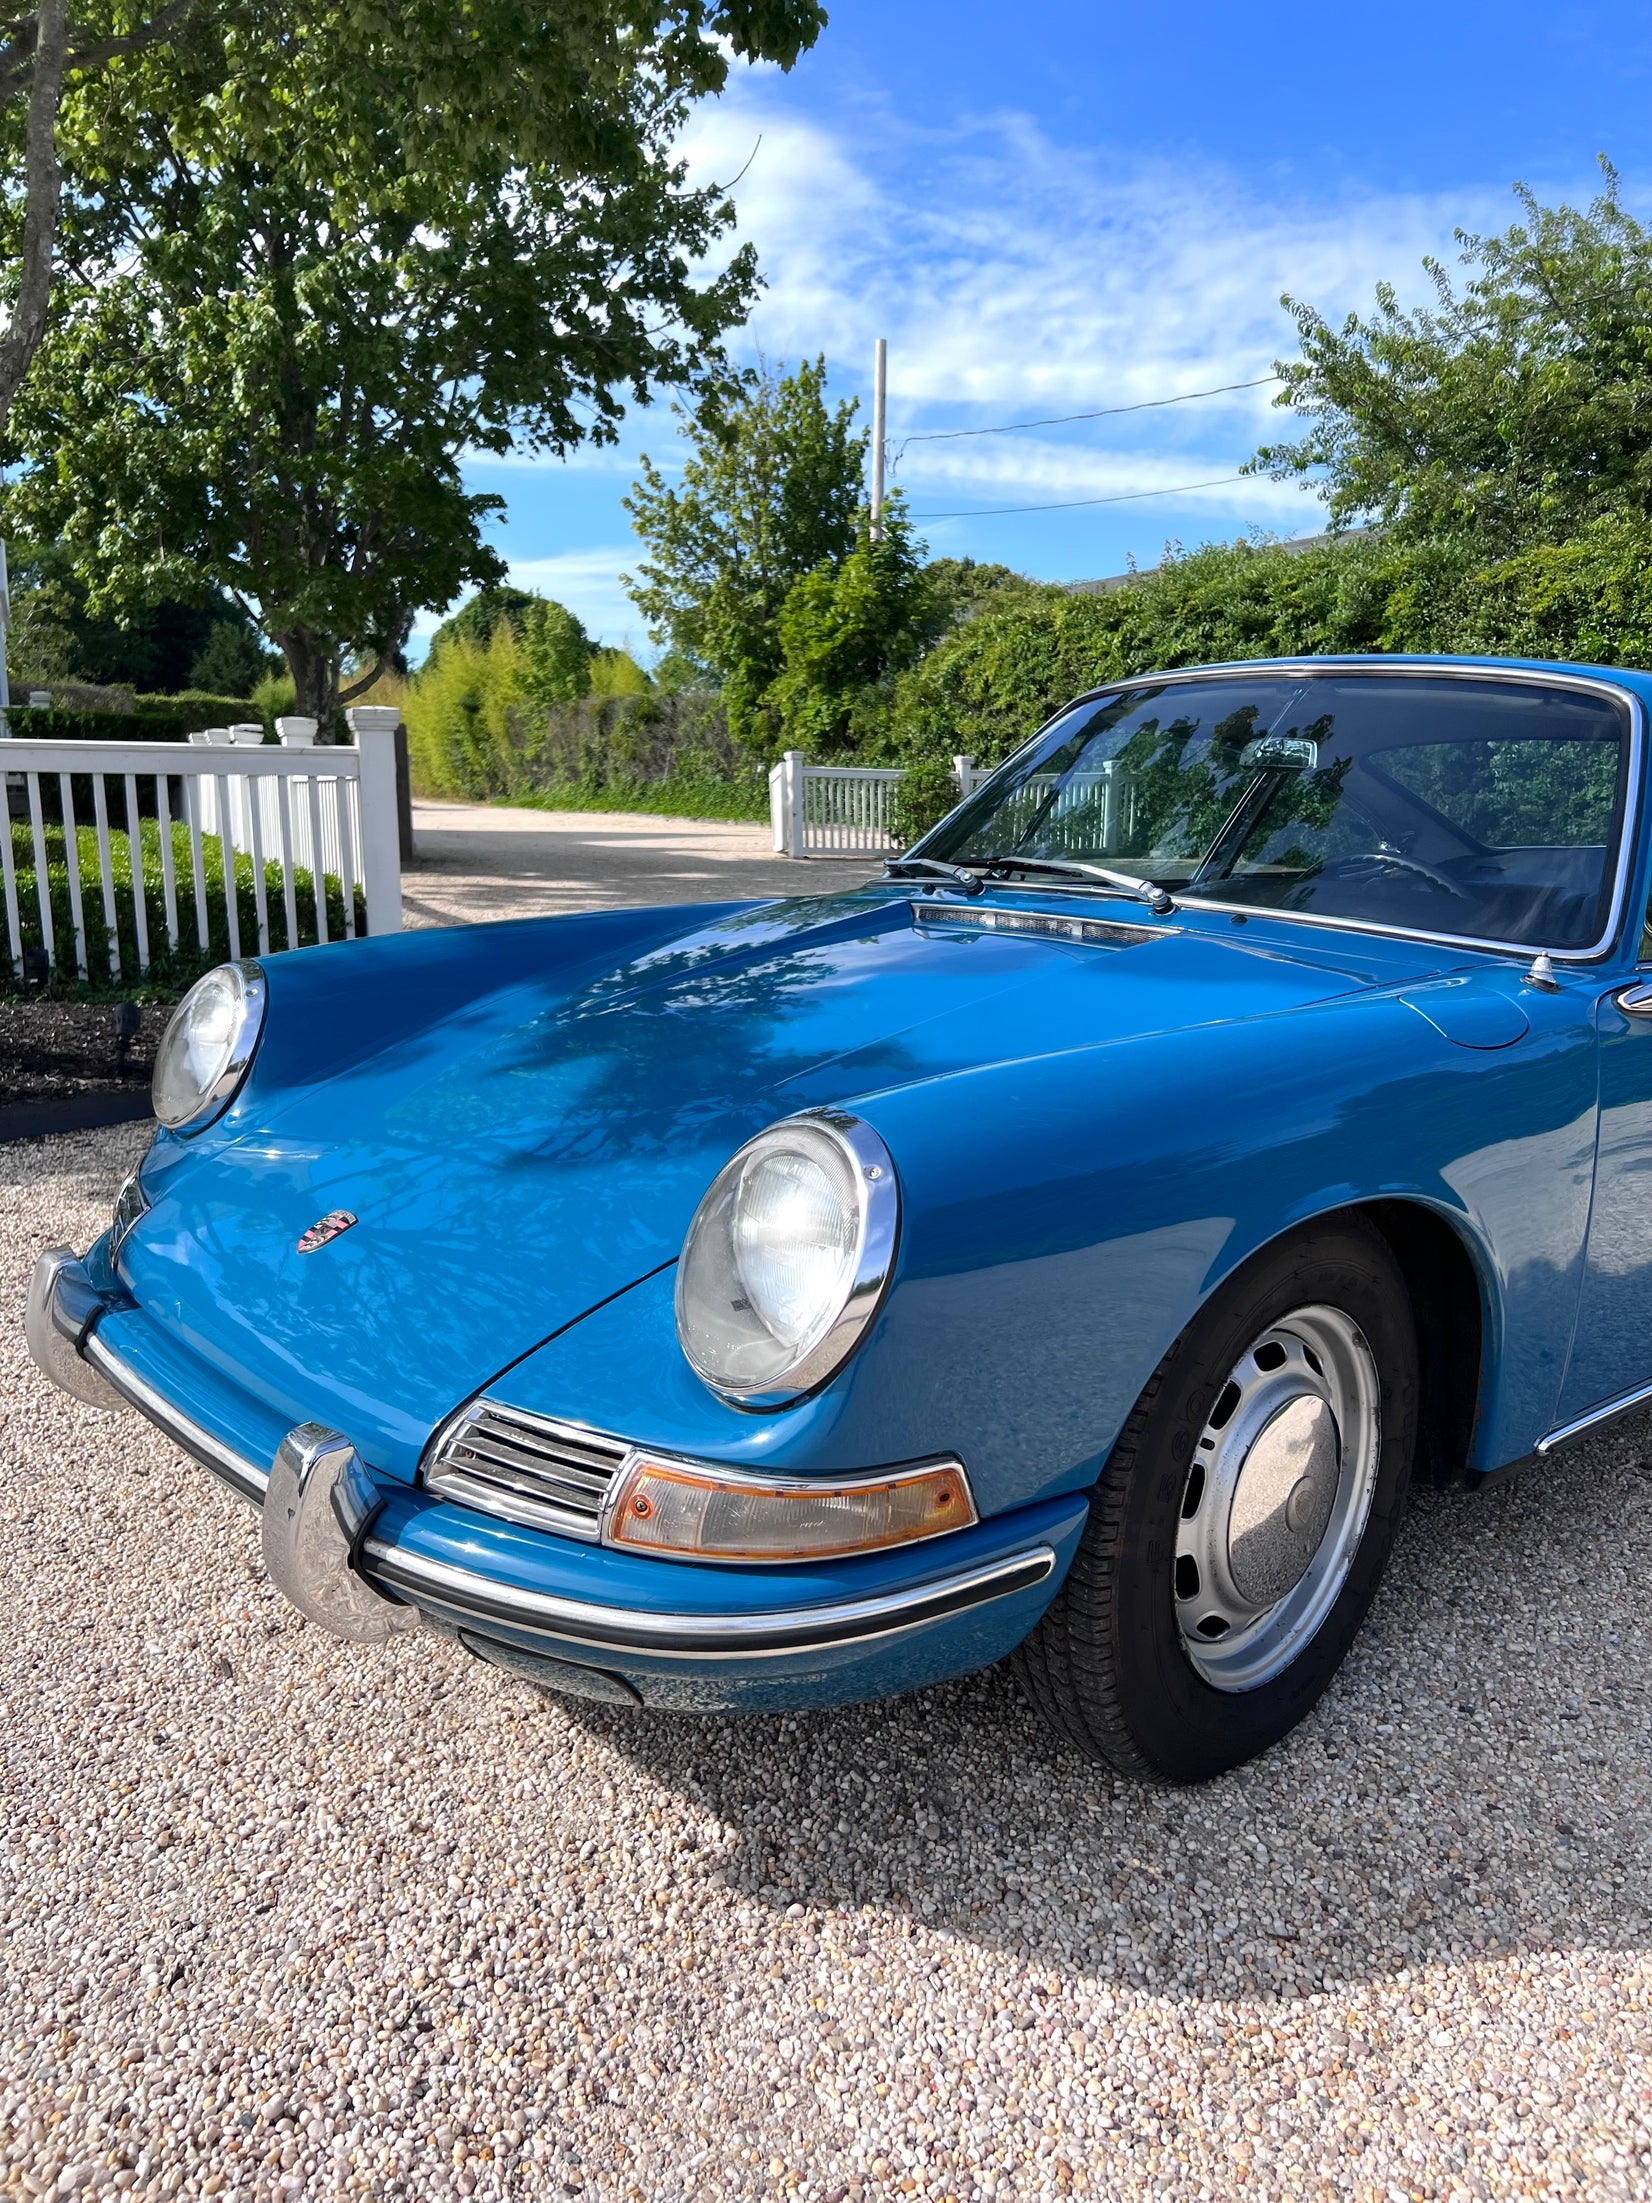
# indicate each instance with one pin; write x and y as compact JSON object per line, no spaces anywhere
{"x":588,"y":583}
{"x":1015,"y":277}
{"x":989,"y":473}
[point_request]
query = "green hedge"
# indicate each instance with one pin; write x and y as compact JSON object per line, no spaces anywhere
{"x":989,"y":685}
{"x":469,"y":737}
{"x":152,"y":719}
{"x":170,"y":971}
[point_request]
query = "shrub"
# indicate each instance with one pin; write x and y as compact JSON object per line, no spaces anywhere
{"x":617,"y":673}
{"x":993,"y":680}
{"x":475,"y":730}
{"x":151,"y":719}
{"x":924,"y":794}
{"x":171,"y":970}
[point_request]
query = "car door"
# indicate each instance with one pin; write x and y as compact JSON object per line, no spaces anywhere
{"x":1612,"y":1338}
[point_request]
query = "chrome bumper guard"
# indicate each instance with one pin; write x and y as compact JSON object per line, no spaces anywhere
{"x":319,"y":1501}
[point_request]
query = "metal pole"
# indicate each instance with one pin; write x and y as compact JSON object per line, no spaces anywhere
{"x":880,"y":397}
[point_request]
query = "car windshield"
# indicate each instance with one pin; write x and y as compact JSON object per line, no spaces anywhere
{"x":1436,"y":803}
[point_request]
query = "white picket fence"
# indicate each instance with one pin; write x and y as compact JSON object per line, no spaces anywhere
{"x":842,"y":810}
{"x":284,"y":806}
{"x":848,"y":810}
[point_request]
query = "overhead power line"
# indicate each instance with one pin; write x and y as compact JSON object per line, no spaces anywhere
{"x":1124,"y":497}
{"x":1061,"y":420}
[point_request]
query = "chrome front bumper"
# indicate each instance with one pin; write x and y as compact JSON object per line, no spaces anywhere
{"x":319,"y":1502}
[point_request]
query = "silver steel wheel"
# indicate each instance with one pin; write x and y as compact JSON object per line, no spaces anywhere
{"x":1276,"y":1498}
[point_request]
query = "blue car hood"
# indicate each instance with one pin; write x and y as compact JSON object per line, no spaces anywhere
{"x":513,"y":1165}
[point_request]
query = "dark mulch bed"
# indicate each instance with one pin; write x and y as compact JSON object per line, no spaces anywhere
{"x":57,"y":1051}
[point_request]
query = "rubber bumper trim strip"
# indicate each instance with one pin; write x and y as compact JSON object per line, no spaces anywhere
{"x":461,"y":1593}
{"x":244,"y":1478}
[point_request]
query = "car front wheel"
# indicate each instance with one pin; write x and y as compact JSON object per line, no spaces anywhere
{"x":1244,"y":1519}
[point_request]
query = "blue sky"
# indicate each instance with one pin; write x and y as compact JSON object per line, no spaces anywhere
{"x":1064,"y":207}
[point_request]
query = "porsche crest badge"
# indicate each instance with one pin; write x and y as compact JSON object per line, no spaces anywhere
{"x":325,"y":1228}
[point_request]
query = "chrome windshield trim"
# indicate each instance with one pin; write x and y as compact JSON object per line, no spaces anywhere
{"x":1580,"y":1425}
{"x":475,"y":1598}
{"x":1260,"y":668}
{"x":244,"y":1478}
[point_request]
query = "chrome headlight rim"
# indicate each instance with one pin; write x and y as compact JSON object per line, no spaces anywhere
{"x":254,"y":993}
{"x":879,"y":1202}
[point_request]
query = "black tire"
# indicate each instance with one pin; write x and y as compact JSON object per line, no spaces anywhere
{"x":1106,"y":1666}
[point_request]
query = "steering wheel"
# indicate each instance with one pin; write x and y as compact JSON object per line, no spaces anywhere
{"x":1406,"y":864}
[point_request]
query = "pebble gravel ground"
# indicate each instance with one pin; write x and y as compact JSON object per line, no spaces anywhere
{"x":283,"y":1919}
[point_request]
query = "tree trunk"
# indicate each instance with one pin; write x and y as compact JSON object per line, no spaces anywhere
{"x":43,"y":191}
{"x":313,"y":665}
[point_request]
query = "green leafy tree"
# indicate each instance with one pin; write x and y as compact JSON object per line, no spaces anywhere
{"x":556,"y":654}
{"x":617,"y":673}
{"x":961,"y":587}
{"x":1517,"y":410}
{"x":154,"y":650}
{"x":64,"y":66}
{"x":231,"y":664}
{"x":769,"y":494}
{"x":330,"y":253}
{"x":845,"y":632}
{"x":677,"y":674}
{"x":477,"y":618}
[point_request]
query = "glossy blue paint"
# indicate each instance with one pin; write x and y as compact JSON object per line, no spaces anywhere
{"x":1117,"y":1184}
{"x":1471,"y":1008}
{"x":583,"y":1121}
{"x":825,"y":1675}
{"x":1089,"y":1139}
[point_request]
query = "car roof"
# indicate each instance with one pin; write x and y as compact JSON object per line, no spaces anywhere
{"x":1639,"y":684}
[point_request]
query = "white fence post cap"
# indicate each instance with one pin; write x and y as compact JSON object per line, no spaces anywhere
{"x":373,"y":719}
{"x":247,"y":730}
{"x":296,"y":731}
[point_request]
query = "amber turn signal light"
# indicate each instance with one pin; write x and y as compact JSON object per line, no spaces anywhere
{"x":694,"y":1513}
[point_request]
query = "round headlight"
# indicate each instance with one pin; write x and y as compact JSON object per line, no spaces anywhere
{"x":205,"y":1050}
{"x":787,"y":1258}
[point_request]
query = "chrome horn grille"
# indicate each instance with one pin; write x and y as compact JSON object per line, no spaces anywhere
{"x":552,"y":1476}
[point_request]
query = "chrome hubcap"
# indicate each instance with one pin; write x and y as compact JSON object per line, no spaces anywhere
{"x":1276,"y":1498}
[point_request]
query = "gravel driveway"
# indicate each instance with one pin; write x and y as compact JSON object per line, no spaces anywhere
{"x":281,"y":1918}
{"x":492,"y":860}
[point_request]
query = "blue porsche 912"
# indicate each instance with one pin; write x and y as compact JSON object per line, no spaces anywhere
{"x":1067,"y":1246}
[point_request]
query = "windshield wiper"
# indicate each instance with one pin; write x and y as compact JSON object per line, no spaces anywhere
{"x":895,"y":868}
{"x":1125,"y":883}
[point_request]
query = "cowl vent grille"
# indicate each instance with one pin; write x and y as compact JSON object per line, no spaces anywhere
{"x":552,"y":1476}
{"x":1104,"y":933}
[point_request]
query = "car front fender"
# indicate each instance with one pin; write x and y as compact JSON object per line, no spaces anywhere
{"x":1064,"y":1218}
